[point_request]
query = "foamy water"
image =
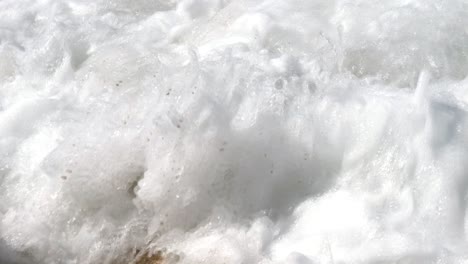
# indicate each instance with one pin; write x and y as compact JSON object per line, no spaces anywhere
{"x":234,"y":131}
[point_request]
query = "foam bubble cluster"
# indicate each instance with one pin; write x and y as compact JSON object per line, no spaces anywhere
{"x":219,"y":131}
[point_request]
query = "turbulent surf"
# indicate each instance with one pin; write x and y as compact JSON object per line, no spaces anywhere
{"x":233,"y":131}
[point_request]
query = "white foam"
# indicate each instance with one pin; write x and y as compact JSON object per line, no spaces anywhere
{"x":233,"y":131}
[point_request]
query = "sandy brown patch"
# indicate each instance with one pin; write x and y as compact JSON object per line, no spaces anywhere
{"x":149,"y":258}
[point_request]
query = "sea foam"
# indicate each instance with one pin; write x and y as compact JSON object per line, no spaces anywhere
{"x":217,"y":131}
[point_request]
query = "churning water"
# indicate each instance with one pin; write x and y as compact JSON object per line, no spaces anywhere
{"x":234,"y":131}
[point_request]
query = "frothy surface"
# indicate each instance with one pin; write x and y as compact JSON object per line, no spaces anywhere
{"x":274,"y":131}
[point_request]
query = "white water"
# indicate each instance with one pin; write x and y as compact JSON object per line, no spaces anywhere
{"x":242,"y":131}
